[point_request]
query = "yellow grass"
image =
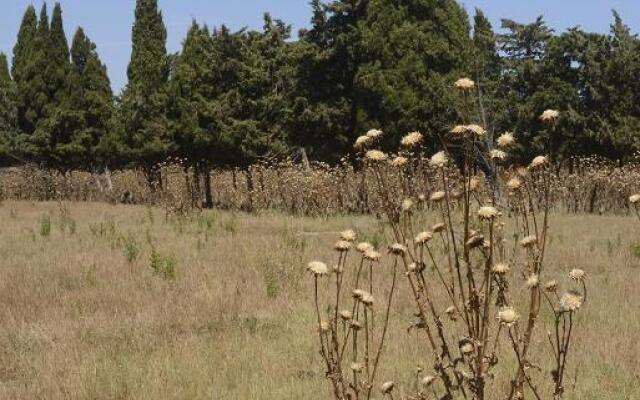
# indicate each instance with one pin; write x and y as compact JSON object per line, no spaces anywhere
{"x":79,"y":321}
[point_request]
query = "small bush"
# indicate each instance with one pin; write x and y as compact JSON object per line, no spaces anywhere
{"x":45,"y":226}
{"x":163,"y":265}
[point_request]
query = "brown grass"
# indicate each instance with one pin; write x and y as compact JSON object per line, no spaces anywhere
{"x":79,"y":321}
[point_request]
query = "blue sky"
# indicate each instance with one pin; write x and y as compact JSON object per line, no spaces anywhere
{"x":108,"y":22}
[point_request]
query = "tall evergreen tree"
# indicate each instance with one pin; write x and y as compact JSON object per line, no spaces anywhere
{"x":8,"y":110}
{"x":522,"y":82}
{"x":59,"y":66}
{"x":146,"y":134}
{"x":34,"y":91}
{"x":5,"y":76}
{"x":55,"y":132}
{"x":486,"y":72}
{"x":24,"y":54}
{"x":412,"y":53}
{"x":25,"y":42}
{"x":326,"y":100}
{"x":88,"y":109}
{"x":610,"y":70}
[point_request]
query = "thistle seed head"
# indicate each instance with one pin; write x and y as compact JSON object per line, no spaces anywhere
{"x":464,"y":84}
{"x":318,"y":268}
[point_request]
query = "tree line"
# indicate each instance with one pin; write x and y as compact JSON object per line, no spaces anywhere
{"x":230,"y":98}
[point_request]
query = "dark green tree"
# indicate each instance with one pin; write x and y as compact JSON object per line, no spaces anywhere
{"x":412,"y":52}
{"x":487,"y":68}
{"x":88,"y":108}
{"x":146,"y":135}
{"x":54,"y":135}
{"x":328,"y":59}
{"x":523,"y":84}
{"x":8,"y":111}
{"x":25,"y":53}
{"x":609,"y":69}
{"x":25,"y":43}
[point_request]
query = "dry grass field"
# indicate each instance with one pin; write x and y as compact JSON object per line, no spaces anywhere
{"x":118,"y":302}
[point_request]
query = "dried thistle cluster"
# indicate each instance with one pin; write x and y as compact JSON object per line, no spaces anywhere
{"x":351,"y":337}
{"x":585,"y":185}
{"x":472,"y":248}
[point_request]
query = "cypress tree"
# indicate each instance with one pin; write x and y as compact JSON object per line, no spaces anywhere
{"x":486,"y":72}
{"x":55,"y":133}
{"x":59,"y":65}
{"x":25,"y":43}
{"x":325,"y":100}
{"x":8,"y":110}
{"x":5,"y":76}
{"x":34,"y":95}
{"x":412,"y":53}
{"x":89,"y":107}
{"x":23,"y":55}
{"x":146,"y":134}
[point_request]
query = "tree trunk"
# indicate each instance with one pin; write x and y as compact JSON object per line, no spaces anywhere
{"x":250,"y":188}
{"x":208,"y":197}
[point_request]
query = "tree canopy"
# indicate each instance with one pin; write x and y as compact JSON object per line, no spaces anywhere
{"x":231,"y":98}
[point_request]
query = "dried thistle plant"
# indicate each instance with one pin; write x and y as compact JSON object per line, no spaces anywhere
{"x":351,"y":338}
{"x":479,"y":298}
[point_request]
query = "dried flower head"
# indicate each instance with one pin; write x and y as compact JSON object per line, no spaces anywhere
{"x":407,"y":205}
{"x":358,"y":293}
{"x":411,"y":140}
{"x":570,"y":301}
{"x":476,"y":130}
{"x":464,"y":84}
{"x":362,"y":142}
{"x":506,"y":140}
{"x":475,"y":241}
{"x":363,"y":247}
{"x":423,"y":237}
{"x":551,"y":286}
{"x":500,"y":268}
{"x":387,"y":387}
{"x":367,"y":299}
{"x":346,"y":315}
{"x":318,"y":268}
{"x":437,"y":196}
{"x":550,"y":115}
{"x":342,"y":246}
{"x":529,"y":241}
{"x":439,"y":227}
{"x":497,"y":154}
{"x":375,"y":156}
{"x":532,"y":281}
{"x":356,"y":367}
{"x":577,"y":274}
{"x":428,"y":380}
{"x":466,"y":347}
{"x":349,"y":235}
{"x":634,"y":199}
{"x":374,"y":133}
{"x":324,"y":326}
{"x":514,"y":183}
{"x":399,"y":162}
{"x":508,"y":316}
{"x":439,"y":160}
{"x":397,"y":249}
{"x":372,"y":255}
{"x":459,"y":130}
{"x":487,"y":212}
{"x":538,"y":161}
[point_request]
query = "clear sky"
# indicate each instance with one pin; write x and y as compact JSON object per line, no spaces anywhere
{"x":108,"y":22}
